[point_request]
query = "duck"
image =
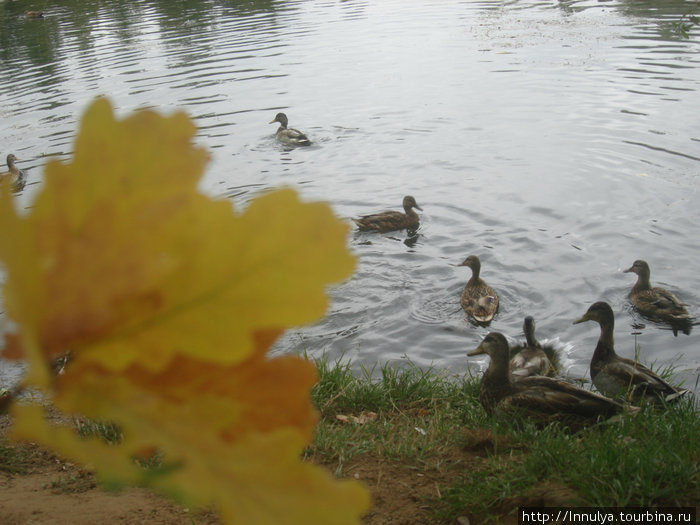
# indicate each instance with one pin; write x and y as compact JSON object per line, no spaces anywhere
{"x":16,"y":176}
{"x":654,"y":302}
{"x":34,"y":14}
{"x":289,"y":135}
{"x":542,"y":399}
{"x":478,"y":299}
{"x":619,"y":377}
{"x":388,"y":221}
{"x":531,"y":358}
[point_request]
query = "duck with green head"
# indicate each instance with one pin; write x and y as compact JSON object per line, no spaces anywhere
{"x":289,"y":136}
{"x":619,"y":377}
{"x":543,"y":399}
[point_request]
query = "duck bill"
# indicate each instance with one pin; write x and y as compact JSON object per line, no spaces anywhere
{"x":272,"y":121}
{"x":582,"y":319}
{"x":477,"y":351}
{"x":628,"y":270}
{"x":418,"y":207}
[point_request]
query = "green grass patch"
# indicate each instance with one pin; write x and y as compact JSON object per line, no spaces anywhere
{"x":411,"y":413}
{"x":646,"y":459}
{"x":14,"y":458}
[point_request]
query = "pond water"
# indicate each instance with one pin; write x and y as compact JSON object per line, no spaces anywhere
{"x":557,"y":140}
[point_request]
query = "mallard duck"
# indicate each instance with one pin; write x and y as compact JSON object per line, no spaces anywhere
{"x":478,"y":298}
{"x":16,"y":176}
{"x":544,"y":399}
{"x":34,"y":14}
{"x":654,"y":302}
{"x":387,"y":221}
{"x":617,"y":376}
{"x":289,"y":135}
{"x":531,"y":358}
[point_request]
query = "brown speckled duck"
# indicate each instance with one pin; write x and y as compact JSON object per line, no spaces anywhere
{"x":16,"y":176}
{"x":478,"y":299}
{"x":619,"y":377}
{"x":34,"y":14}
{"x":387,"y":221}
{"x":287,"y":135}
{"x":544,"y":399}
{"x":654,"y":302}
{"x":531,"y":358}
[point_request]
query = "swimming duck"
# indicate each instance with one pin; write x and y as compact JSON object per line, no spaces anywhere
{"x":654,"y":302}
{"x":16,"y":176}
{"x":531,"y":358}
{"x":34,"y":14}
{"x":617,"y":376}
{"x":544,"y":399}
{"x":289,"y":135}
{"x":387,"y":221}
{"x":478,"y":298}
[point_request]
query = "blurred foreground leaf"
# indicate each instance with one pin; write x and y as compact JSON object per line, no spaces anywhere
{"x":168,"y":301}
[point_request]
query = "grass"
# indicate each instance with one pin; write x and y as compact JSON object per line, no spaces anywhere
{"x":651,"y":458}
{"x":648,"y":459}
{"x":15,"y":459}
{"x":416,"y":412}
{"x":418,"y":419}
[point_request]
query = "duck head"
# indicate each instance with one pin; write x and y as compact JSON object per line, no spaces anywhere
{"x":472,"y":262}
{"x":599,"y":312}
{"x":641,"y":268}
{"x":495,"y":345}
{"x":409,"y":202}
{"x":281,"y":118}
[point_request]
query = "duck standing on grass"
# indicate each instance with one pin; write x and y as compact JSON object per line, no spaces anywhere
{"x":619,"y":377}
{"x":388,"y":221}
{"x":287,"y":135}
{"x":478,"y":299}
{"x":544,"y":399}
{"x":655,"y":302}
{"x":16,"y":176}
{"x":531,"y":358}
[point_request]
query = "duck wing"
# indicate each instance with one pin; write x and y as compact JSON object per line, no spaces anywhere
{"x":480,"y":301}
{"x":297,"y":135}
{"x":551,"y":397}
{"x":623,"y":376}
{"x":665,"y":300}
{"x":529,"y":362}
{"x":382,"y":222}
{"x":660,"y":302}
{"x":293,"y":136}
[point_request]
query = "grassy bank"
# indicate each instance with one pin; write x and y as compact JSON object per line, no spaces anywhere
{"x":428,"y":453}
{"x":425,"y":417}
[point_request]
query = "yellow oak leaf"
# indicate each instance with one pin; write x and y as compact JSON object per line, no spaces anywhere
{"x":167,"y":302}
{"x":257,"y":480}
{"x":124,"y":262}
{"x":230,"y":437}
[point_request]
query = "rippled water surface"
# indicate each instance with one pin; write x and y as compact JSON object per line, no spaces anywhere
{"x":557,"y":140}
